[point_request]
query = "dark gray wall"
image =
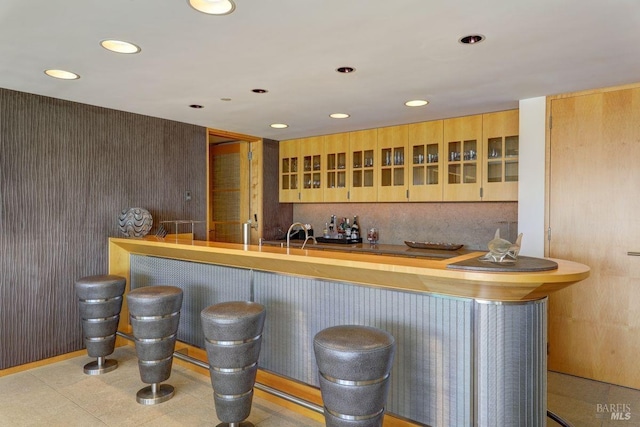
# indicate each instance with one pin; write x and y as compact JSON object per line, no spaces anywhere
{"x":66,"y":171}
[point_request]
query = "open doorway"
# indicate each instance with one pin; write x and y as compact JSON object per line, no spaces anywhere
{"x":228,"y":190}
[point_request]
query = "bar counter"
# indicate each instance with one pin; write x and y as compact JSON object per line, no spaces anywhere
{"x":471,"y":344}
{"x":394,"y":272}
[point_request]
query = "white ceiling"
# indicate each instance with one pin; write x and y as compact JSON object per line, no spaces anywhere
{"x":401,"y":49}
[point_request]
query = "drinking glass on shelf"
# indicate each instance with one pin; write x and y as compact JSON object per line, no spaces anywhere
{"x":373,"y":235}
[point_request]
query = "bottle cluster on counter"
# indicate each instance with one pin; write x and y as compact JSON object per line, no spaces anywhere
{"x":342,"y":228}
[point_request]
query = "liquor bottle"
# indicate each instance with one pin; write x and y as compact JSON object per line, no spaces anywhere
{"x":347,"y":229}
{"x":332,"y":224}
{"x":355,"y":228}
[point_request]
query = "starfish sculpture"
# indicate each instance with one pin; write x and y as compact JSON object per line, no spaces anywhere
{"x":501,"y":250}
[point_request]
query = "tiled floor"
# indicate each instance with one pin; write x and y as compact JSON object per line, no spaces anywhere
{"x":61,"y":394}
{"x":587,"y":403}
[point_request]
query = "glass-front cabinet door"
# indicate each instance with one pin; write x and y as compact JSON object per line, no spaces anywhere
{"x":501,"y":141}
{"x":363,"y":162}
{"x":463,"y":145}
{"x":425,"y":175}
{"x":289,"y":171}
{"x":311,"y":151}
{"x":393,"y":170}
{"x":336,"y":152}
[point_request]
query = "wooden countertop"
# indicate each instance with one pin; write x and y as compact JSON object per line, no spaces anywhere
{"x":392,"y":272}
{"x":378,"y":249}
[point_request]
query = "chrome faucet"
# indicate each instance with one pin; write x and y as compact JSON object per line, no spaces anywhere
{"x":306,"y":234}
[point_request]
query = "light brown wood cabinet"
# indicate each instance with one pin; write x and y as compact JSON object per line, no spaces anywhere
{"x":472,"y":158}
{"x":364,"y":161}
{"x":392,"y":172}
{"x":593,"y":207}
{"x":337,"y":158}
{"x":313,"y":167}
{"x":501,"y":146}
{"x":289,"y":171}
{"x":426,"y":160}
{"x":463,"y":166}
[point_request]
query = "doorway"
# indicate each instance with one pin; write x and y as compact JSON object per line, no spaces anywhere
{"x":229,"y":175}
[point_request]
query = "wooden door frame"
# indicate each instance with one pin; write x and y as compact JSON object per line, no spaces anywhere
{"x":252,"y":175}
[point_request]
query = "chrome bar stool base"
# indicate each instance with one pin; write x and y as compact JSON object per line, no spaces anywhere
{"x":98,"y":367}
{"x":154,"y":394}
{"x":242,"y":424}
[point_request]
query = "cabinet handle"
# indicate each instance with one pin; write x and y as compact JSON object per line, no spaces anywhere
{"x":633,"y":253}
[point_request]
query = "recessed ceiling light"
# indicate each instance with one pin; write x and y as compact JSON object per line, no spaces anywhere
{"x":279,"y":126}
{"x":119,"y":46}
{"x":225,"y":99}
{"x":62,"y":74}
{"x":213,"y":7}
{"x":472,"y":39}
{"x":196,"y":106}
{"x":339,"y":115}
{"x":345,"y":70}
{"x":259,"y":90}
{"x":416,"y":103}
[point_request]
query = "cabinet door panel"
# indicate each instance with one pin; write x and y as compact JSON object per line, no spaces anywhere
{"x":289,"y":171}
{"x":313,"y":169}
{"x":337,"y":158}
{"x":501,"y":141}
{"x":463,"y":145}
{"x":426,"y":150}
{"x":393,"y":169}
{"x":363,"y":166}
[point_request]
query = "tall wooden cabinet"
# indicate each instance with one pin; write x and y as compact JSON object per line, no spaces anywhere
{"x":593,"y":208}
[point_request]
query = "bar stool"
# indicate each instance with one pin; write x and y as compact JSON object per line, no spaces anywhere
{"x":355,"y":364}
{"x":155,"y":313}
{"x":100,"y":302}
{"x":233,"y":336}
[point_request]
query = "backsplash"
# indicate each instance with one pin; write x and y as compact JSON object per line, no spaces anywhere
{"x":471,"y":224}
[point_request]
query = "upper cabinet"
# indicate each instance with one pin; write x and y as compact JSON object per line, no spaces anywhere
{"x":392,"y":172}
{"x":364,"y":163}
{"x":426,"y":158}
{"x":289,"y":171}
{"x":337,"y":159}
{"x":463,"y":159}
{"x":463,"y":143}
{"x":501,"y":144}
{"x":313,"y":168}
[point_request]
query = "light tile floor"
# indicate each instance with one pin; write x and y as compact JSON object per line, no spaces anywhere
{"x":582,"y":402}
{"x":60,"y":394}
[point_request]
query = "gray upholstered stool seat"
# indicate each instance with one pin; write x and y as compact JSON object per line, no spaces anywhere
{"x":155,"y":314}
{"x":100,"y":302}
{"x":355,"y":364}
{"x":233,"y":337}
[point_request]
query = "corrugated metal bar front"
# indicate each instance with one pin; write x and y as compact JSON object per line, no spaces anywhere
{"x":511,"y":363}
{"x":202,"y":284}
{"x":431,"y":379}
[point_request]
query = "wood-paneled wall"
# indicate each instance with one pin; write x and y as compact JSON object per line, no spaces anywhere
{"x":66,"y":171}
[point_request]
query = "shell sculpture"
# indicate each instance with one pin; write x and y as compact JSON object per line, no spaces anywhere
{"x":135,"y":222}
{"x":501,"y":250}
